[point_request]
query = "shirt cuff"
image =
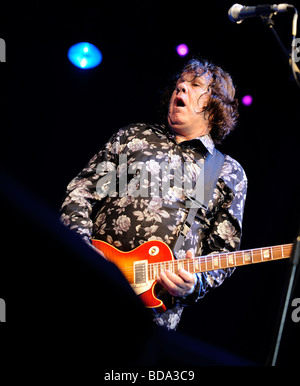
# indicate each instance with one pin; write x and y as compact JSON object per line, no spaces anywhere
{"x":192,"y":298}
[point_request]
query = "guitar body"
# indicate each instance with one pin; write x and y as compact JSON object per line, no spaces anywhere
{"x":134,"y":266}
{"x":142,"y":266}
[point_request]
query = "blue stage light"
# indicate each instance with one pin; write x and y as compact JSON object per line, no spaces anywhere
{"x":84,"y":55}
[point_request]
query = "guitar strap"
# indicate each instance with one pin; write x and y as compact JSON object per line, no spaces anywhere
{"x":203,"y":192}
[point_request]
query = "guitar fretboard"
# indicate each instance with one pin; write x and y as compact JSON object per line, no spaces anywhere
{"x":221,"y":260}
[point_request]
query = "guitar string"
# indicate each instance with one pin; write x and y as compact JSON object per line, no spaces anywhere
{"x":209,"y":259}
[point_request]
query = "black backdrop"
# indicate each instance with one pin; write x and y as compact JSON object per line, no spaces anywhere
{"x":54,"y":117}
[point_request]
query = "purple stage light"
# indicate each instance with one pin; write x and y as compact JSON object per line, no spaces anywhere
{"x":247,"y":100}
{"x":182,"y":49}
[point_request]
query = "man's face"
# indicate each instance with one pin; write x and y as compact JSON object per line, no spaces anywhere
{"x":187,"y":102}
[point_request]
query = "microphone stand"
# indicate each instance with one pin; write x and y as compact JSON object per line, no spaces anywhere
{"x":269,"y":22}
{"x":293,"y":269}
{"x":292,"y":276}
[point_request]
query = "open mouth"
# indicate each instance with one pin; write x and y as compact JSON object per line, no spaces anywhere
{"x":179,"y":102}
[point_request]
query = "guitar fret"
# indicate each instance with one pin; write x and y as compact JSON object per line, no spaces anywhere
{"x":277,"y":253}
{"x":239,"y":258}
{"x":256,"y":256}
{"x":230,"y":259}
{"x":160,"y":269}
{"x":179,"y":264}
{"x":284,"y":250}
{"x":266,"y":254}
{"x":209,"y":263}
{"x":223,"y":261}
{"x":216,"y":261}
{"x":196,"y":265}
{"x":185,"y":264}
{"x":160,"y":265}
{"x":247,"y":257}
{"x":258,"y":252}
{"x":202,"y":262}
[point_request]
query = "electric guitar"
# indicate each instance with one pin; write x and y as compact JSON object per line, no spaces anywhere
{"x":142,"y":265}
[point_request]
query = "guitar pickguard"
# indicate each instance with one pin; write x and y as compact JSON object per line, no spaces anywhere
{"x":141,"y":283}
{"x":139,"y":289}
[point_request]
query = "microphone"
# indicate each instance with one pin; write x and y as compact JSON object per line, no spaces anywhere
{"x":237,"y":13}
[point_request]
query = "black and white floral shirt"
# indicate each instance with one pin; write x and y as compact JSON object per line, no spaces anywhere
{"x":129,"y":193}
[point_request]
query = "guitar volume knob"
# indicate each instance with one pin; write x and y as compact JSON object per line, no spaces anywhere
{"x":153,"y":251}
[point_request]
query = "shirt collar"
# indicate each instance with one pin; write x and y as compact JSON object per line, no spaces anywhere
{"x":207,"y":142}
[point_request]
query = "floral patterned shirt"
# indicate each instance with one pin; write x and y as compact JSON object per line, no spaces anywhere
{"x":129,"y":193}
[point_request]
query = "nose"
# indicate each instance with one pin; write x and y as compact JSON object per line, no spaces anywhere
{"x":181,"y":87}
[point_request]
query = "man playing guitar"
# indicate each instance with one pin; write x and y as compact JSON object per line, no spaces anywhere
{"x":137,"y":188}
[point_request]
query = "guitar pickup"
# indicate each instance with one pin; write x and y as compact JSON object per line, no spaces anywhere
{"x":140,"y":272}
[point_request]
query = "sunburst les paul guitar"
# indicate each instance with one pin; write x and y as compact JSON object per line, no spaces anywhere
{"x":142,"y":265}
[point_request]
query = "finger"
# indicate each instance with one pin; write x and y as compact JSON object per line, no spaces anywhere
{"x":190,"y":254}
{"x":187,"y":276}
{"x":172,"y":280}
{"x":170,"y":286}
{"x":190,"y":280}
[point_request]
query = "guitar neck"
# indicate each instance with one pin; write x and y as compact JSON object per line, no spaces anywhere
{"x":222,"y":260}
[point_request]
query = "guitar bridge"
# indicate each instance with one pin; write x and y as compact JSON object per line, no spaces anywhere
{"x":140,"y":273}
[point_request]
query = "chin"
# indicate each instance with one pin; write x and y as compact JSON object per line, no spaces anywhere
{"x":177,"y":127}
{"x":176,"y":124}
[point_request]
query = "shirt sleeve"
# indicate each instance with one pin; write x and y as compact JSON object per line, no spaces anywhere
{"x":225,"y":230}
{"x":88,"y":189}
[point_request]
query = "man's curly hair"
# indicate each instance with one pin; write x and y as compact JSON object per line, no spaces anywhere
{"x":221,"y":110}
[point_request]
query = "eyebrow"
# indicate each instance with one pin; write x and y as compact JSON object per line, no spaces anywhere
{"x":199,"y":77}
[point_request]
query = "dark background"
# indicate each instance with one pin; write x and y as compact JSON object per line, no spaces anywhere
{"x":55,"y":117}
